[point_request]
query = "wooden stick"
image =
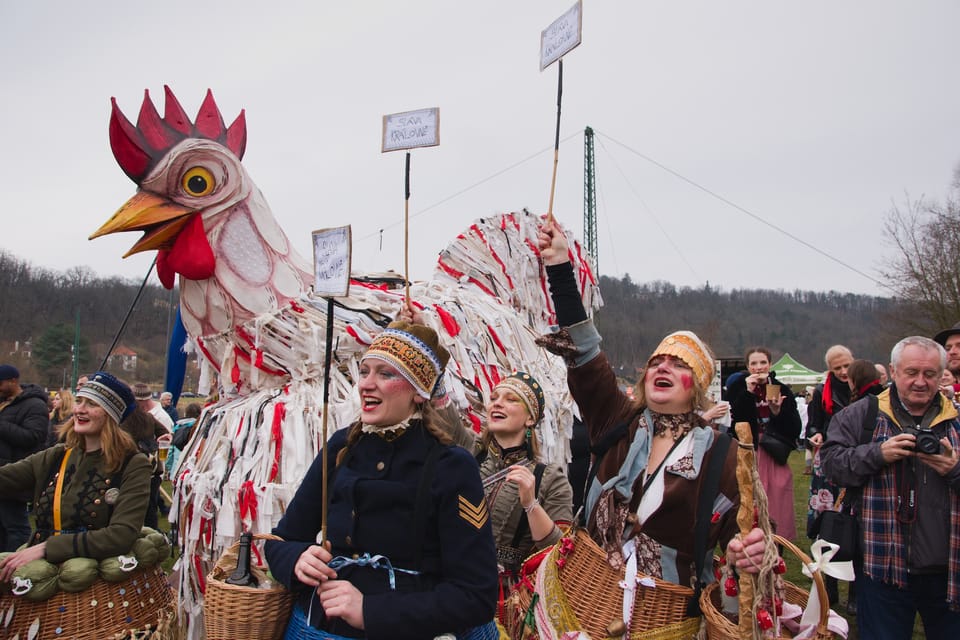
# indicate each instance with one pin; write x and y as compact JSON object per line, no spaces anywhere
{"x":406,"y":230}
{"x":326,"y":401}
{"x":556,"y":139}
{"x":745,"y":464}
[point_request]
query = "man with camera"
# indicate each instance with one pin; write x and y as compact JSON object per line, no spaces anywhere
{"x":909,"y":513}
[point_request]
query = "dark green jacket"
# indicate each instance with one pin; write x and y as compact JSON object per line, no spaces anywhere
{"x":101,"y":513}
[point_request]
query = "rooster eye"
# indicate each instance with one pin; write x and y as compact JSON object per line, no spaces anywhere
{"x":198,"y":181}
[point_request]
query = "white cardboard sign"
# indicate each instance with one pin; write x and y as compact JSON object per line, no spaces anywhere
{"x":331,"y":261}
{"x":411,"y":129}
{"x":561,"y":36}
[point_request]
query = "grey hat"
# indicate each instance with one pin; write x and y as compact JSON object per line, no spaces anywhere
{"x":946,"y":333}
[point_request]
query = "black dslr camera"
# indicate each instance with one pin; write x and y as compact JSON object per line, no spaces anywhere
{"x":927,"y":441}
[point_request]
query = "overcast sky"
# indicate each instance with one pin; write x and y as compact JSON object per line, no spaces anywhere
{"x":814,"y":117}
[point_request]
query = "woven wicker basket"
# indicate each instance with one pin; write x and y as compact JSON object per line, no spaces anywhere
{"x":231,"y":612}
{"x":719,"y":627}
{"x":589,"y":589}
{"x":138,"y":605}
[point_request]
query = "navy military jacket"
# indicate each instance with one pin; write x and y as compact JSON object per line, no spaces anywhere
{"x":372,"y":510}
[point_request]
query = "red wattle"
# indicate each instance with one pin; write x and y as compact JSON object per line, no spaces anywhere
{"x":191,"y":255}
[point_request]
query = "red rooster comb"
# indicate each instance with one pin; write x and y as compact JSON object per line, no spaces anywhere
{"x":138,"y":149}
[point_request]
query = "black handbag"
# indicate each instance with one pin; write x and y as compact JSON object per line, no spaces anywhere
{"x":839,"y":527}
{"x":778,"y":448}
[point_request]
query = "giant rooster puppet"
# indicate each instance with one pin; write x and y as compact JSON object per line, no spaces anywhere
{"x":246,"y":303}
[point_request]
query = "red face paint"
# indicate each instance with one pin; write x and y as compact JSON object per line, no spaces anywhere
{"x":687,"y":381}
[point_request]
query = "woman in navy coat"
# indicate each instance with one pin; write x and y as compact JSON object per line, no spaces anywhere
{"x":410,"y":553}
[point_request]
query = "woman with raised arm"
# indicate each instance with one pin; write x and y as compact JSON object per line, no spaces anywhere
{"x":409,"y":551}
{"x":643,"y":501}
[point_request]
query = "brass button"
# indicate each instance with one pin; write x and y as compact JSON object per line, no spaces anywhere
{"x":107,"y":481}
{"x":381,"y":466}
{"x":349,"y":541}
{"x":97,"y":501}
{"x":356,"y":556}
{"x":93,"y":514}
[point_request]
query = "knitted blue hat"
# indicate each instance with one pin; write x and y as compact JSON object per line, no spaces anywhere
{"x":8,"y":372}
{"x":112,"y":394}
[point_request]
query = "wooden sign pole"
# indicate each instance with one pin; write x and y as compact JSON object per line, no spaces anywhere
{"x":406,"y":230}
{"x":327,"y":357}
{"x":556,"y":139}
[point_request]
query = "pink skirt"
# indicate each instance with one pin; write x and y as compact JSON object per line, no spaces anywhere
{"x":777,"y":481}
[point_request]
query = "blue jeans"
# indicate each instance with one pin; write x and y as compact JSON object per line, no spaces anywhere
{"x":299,"y":629}
{"x":885,"y":611}
{"x":14,"y":524}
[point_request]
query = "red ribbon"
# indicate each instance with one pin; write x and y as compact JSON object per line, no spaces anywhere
{"x":493,"y":253}
{"x":248,"y":500}
{"x":449,"y":323}
{"x":459,"y":274}
{"x":353,"y":333}
{"x":496,"y":340}
{"x":475,"y":421}
{"x":198,"y":565}
{"x":276,"y":434}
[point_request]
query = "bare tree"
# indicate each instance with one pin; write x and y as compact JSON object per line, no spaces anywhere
{"x":925,"y":268}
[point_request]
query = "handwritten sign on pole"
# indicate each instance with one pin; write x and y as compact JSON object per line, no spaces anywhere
{"x":331,"y":261}
{"x":561,"y":36}
{"x":411,"y":129}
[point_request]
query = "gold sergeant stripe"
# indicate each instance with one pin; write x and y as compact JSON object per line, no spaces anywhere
{"x":59,"y":491}
{"x":474,"y":514}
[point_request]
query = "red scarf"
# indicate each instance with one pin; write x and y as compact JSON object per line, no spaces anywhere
{"x":862,"y":390}
{"x":828,"y":395}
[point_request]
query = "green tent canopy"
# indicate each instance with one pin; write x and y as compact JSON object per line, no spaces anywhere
{"x":792,"y":372}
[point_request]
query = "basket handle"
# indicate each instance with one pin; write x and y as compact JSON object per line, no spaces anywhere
{"x":818,"y":582}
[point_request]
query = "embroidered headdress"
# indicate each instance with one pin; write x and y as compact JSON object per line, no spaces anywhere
{"x":686,"y":346}
{"x":415,"y":351}
{"x":529,"y":390}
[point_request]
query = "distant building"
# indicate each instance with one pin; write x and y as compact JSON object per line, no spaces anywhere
{"x":124,"y":358}
{"x":23,"y":349}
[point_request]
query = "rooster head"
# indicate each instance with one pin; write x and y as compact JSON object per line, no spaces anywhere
{"x":187,"y":173}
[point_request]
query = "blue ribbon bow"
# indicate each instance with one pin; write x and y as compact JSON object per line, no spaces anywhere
{"x":376,"y":562}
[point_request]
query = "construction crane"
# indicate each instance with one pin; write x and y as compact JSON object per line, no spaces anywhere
{"x":590,"y":202}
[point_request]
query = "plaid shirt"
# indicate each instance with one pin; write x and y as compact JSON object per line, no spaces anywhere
{"x":881,"y":529}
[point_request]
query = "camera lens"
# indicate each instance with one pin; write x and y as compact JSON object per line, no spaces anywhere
{"x":928,"y":443}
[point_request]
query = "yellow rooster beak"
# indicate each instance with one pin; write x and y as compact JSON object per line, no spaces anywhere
{"x":159,"y":219}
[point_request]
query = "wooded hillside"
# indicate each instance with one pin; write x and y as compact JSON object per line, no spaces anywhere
{"x":635,"y":317}
{"x":40,"y":306}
